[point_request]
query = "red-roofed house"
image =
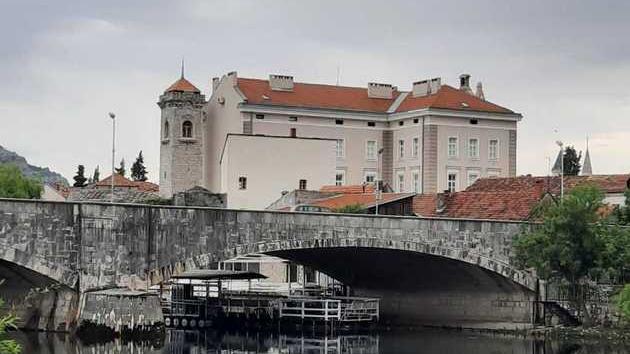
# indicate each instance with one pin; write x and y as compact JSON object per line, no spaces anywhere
{"x":426,"y":139}
{"x":513,"y":198}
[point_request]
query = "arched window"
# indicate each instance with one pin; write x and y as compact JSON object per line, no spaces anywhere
{"x":187,"y":129}
{"x":166,"y":132}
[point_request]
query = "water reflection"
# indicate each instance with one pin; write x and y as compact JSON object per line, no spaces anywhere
{"x":425,"y":342}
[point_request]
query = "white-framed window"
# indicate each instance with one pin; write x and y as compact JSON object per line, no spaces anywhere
{"x":473,"y":148}
{"x":452,"y":146}
{"x":369,"y":177}
{"x":370,"y":150}
{"x":451,"y":181}
{"x":473,"y":176}
{"x":493,"y":149}
{"x":400,"y":185}
{"x":242,"y":183}
{"x":340,"y":177}
{"x":415,"y":178}
{"x":415,"y":147}
{"x":341,"y":148}
{"x":401,"y":149}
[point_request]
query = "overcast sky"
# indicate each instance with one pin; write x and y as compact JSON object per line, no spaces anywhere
{"x":565,"y":65}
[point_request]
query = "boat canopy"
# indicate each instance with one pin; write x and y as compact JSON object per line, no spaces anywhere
{"x":214,"y":274}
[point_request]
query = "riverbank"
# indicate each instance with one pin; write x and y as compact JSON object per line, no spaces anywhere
{"x":613,"y":335}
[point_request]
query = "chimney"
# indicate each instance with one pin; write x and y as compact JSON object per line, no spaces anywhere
{"x":479,"y":92}
{"x":426,"y":87}
{"x":215,"y":83}
{"x":281,"y":82}
{"x":376,"y":90}
{"x":441,"y":201}
{"x":464,"y":83}
{"x":233,"y":77}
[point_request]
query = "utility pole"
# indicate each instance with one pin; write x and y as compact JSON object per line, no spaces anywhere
{"x":113,"y":117}
{"x":561,"y":169}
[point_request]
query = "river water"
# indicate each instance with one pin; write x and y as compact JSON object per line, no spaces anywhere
{"x":396,"y":342}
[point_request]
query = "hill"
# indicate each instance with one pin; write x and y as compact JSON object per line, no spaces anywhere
{"x":42,"y":173}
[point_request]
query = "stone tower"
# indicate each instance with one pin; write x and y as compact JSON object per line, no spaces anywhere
{"x":182,"y":136}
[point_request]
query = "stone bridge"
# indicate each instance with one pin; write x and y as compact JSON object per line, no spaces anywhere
{"x":461,"y":267}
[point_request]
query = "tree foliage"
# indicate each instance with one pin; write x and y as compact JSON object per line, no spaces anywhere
{"x":13,"y":184}
{"x":121,"y":169}
{"x":96,"y":176}
{"x":351,"y":209}
{"x":623,"y":301}
{"x":571,"y":161}
{"x":138,"y":170}
{"x":7,"y":321}
{"x":79,"y":178}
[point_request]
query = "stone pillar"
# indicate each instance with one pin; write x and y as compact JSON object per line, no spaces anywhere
{"x":512,"y":153}
{"x":387,"y":157}
{"x":430,"y":153}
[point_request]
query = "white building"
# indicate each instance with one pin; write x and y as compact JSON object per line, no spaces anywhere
{"x":431,"y":138}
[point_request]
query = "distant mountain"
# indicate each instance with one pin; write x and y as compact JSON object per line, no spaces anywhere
{"x":42,"y":173}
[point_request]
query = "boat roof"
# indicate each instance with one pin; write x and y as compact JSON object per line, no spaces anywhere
{"x":214,"y":274}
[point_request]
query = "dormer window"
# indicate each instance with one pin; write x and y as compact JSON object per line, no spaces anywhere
{"x":187,"y":128}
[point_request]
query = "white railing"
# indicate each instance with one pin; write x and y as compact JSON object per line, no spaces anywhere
{"x":310,"y":308}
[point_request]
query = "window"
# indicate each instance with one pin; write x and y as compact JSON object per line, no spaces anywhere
{"x":472,"y":177}
{"x":416,"y":120}
{"x":260,"y":116}
{"x":370,"y":177}
{"x":415,"y":147}
{"x":452,"y":146}
{"x":302,"y":184}
{"x":242,"y":183}
{"x":473,"y":148}
{"x":493,"y":149}
{"x":166,"y":130}
{"x":401,"y":123}
{"x":187,"y":128}
{"x":370,"y":150}
{"x":371,"y":124}
{"x":293,"y":132}
{"x":292,"y":119}
{"x":415,"y":176}
{"x":401,"y":149}
{"x":340,"y":178}
{"x":451,"y":183}
{"x":474,"y":121}
{"x":339,"y":121}
{"x":340,"y":148}
{"x":401,"y":182}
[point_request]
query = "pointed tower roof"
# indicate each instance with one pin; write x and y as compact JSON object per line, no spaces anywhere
{"x":182,"y":85}
{"x":557,"y":166}
{"x":587,"y":170}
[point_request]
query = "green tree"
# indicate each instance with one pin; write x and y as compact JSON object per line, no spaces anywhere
{"x":13,"y":184}
{"x":79,"y":178}
{"x":121,"y":169}
{"x":623,"y":301}
{"x":351,"y":209}
{"x":138,"y":171}
{"x":7,"y":321}
{"x":96,"y":176}
{"x":571,"y":161}
{"x":568,"y":246}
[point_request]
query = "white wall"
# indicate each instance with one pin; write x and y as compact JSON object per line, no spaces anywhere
{"x":272,"y":165}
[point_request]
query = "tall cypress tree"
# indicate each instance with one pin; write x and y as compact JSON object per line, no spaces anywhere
{"x":571,"y":161}
{"x":79,"y":178}
{"x":121,"y":169}
{"x":138,"y":171}
{"x":96,"y":176}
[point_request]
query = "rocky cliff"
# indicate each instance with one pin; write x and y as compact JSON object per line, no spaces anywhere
{"x":42,"y":173}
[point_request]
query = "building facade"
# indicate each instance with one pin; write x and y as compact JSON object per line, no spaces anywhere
{"x":432,"y":138}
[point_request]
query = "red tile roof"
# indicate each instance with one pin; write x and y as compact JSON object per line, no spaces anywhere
{"x":119,"y":181}
{"x":365,"y":199}
{"x":314,"y":96}
{"x":306,"y":95}
{"x":449,"y":97}
{"x":349,"y":189}
{"x":146,"y":186}
{"x":509,"y":198}
{"x":182,"y":85}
